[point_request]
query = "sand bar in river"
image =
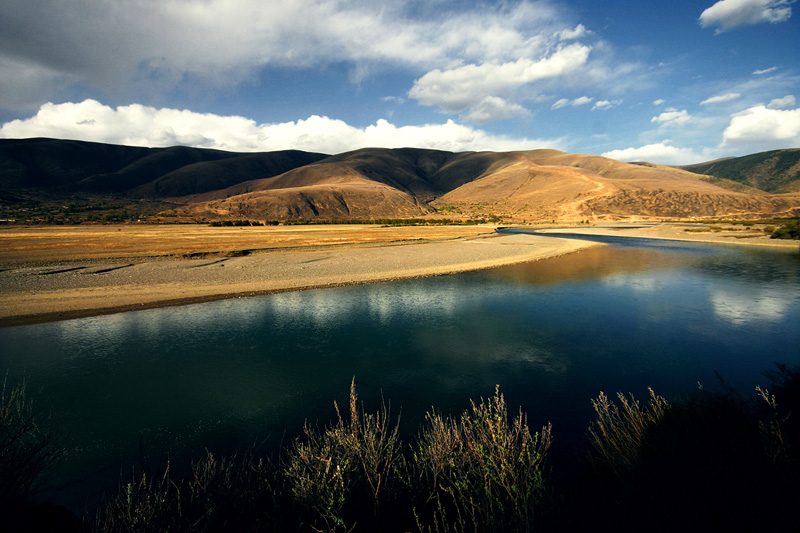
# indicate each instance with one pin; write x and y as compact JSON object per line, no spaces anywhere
{"x":59,"y":273}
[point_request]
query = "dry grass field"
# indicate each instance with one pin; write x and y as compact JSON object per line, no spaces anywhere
{"x":47,"y":244}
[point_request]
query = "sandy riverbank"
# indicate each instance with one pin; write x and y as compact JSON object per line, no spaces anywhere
{"x":58,"y":273}
{"x":47,"y":276}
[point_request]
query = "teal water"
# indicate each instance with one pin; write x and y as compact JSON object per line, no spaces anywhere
{"x":624,"y":317}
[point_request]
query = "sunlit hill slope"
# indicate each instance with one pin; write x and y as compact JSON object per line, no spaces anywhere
{"x":534,"y":185}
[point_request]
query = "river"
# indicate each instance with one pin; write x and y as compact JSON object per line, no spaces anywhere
{"x":144,"y":385}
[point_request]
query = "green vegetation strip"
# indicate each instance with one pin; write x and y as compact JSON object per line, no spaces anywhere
{"x":789,"y":227}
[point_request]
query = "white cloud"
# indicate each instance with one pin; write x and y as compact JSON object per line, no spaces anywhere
{"x":661,"y":153}
{"x":125,"y":47}
{"x":577,"y":102}
{"x":456,"y":89}
{"x":759,"y":128}
{"x":782,"y":103}
{"x":494,"y":108}
{"x":605,"y":104}
{"x":721,"y":98}
{"x":765,"y":71}
{"x":393,"y":100}
{"x":672,"y":117}
{"x":462,"y":53}
{"x":660,"y":101}
{"x":561,"y":102}
{"x":729,"y":14}
{"x":575,"y":33}
{"x":147,"y":126}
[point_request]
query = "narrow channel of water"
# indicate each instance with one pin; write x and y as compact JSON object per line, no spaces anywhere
{"x":552,"y":334}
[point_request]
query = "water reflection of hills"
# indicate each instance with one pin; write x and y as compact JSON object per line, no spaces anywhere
{"x":593,"y":263}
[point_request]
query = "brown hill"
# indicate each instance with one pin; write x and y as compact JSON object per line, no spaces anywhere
{"x":533,"y":185}
{"x":369,"y":183}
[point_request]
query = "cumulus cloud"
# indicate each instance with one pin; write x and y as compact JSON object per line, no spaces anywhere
{"x":148,"y":126}
{"x":721,"y":98}
{"x":661,"y":153}
{"x":456,"y":89}
{"x":760,"y":128}
{"x":672,"y":117}
{"x":729,"y":14}
{"x":782,"y":103}
{"x":660,"y":101}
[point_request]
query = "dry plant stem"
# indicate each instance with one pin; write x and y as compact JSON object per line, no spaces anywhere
{"x":487,"y":471}
{"x":618,"y":432}
{"x":772,"y":429}
{"x":324,"y":468}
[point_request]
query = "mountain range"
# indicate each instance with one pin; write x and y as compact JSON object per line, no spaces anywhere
{"x":195,"y":184}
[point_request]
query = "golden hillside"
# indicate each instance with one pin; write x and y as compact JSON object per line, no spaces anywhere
{"x":535,"y":185}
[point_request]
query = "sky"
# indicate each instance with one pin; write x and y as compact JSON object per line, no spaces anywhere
{"x":670,"y":82}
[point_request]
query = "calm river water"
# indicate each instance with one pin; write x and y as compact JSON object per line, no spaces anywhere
{"x":552,"y":334}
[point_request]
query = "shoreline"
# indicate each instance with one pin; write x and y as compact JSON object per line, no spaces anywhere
{"x":102,"y":283}
{"x":677,"y":232}
{"x":44,"y":293}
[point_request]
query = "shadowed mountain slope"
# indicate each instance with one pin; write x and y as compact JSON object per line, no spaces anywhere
{"x":776,"y":171}
{"x":76,"y":166}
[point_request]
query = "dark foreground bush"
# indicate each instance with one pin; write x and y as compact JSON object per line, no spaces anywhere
{"x":480,"y":472}
{"x":219,"y":494}
{"x":347,"y":473}
{"x":27,"y":455}
{"x":711,"y":461}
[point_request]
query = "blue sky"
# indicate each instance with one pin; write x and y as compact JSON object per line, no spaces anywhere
{"x":667,"y":81}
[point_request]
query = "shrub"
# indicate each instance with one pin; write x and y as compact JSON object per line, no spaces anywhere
{"x":354,"y":461}
{"x":711,"y":461}
{"x":219,"y":494}
{"x":790,"y":230}
{"x":618,"y":432}
{"x":780,"y":427}
{"x":480,"y":471}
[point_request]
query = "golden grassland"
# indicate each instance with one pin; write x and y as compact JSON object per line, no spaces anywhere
{"x":32,"y":244}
